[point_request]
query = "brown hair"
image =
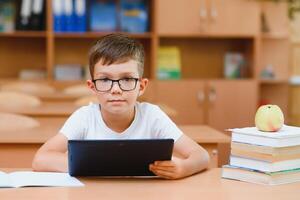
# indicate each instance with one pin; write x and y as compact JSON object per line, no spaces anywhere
{"x":116,"y":48}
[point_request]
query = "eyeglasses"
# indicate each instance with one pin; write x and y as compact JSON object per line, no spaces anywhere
{"x":106,"y":84}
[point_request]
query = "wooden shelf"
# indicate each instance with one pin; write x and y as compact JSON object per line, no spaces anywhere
{"x":204,"y":35}
{"x":273,"y":81}
{"x":282,"y":36}
{"x":91,"y":35}
{"x":25,"y":34}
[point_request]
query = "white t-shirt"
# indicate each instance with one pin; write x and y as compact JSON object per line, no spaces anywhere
{"x":150,"y":122}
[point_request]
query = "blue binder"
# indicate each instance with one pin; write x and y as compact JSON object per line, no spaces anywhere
{"x":103,"y":15}
{"x":134,"y":16}
{"x":80,"y":15}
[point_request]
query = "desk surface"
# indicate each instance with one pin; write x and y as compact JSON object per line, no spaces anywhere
{"x":50,"y":126}
{"x":205,"y":185}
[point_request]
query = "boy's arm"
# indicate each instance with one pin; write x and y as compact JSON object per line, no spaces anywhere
{"x":52,"y":156}
{"x":193,"y":159}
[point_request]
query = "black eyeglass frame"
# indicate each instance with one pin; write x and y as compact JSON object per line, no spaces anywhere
{"x":112,"y":83}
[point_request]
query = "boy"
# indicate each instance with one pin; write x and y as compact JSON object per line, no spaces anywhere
{"x":116,"y":66}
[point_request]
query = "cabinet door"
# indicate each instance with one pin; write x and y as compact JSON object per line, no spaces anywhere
{"x":212,"y":17}
{"x":180,"y":17}
{"x":185,"y":97}
{"x":233,"y":17}
{"x":232,"y":103}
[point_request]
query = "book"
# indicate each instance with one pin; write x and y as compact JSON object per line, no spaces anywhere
{"x":286,"y":136}
{"x":134,"y":16}
{"x":259,"y":177}
{"x":264,"y":165}
{"x":169,"y":63}
{"x":29,"y":178}
{"x":7,"y":16}
{"x":234,"y":65}
{"x":263,"y":156}
{"x":265,"y":149}
{"x":68,"y":72}
{"x":103,"y":15}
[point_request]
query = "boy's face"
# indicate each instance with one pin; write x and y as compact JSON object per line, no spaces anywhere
{"x":113,"y":98}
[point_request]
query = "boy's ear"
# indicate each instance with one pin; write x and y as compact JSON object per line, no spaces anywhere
{"x":91,"y":85}
{"x":143,"y":85}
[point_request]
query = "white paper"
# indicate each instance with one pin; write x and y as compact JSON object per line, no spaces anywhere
{"x":29,"y":178}
{"x":5,"y":180}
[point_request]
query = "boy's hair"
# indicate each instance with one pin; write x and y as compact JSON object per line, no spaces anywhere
{"x":116,"y":48}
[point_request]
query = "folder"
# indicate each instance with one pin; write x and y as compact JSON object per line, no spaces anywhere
{"x":58,"y":17}
{"x":80,"y":15}
{"x":69,"y":16}
{"x":37,"y":19}
{"x":24,"y":13}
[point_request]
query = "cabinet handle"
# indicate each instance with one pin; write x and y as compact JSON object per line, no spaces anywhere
{"x":213,"y":10}
{"x":214,"y":152}
{"x":212,"y":96}
{"x":200,"y":96}
{"x":203,"y":11}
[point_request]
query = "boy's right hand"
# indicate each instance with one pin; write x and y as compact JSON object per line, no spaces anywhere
{"x":170,"y":169}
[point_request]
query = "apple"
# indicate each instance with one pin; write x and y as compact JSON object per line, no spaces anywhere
{"x":269,"y":118}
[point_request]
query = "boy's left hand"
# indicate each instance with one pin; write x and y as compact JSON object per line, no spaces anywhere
{"x":171,"y":169}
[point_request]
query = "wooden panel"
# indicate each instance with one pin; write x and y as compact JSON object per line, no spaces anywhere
{"x":204,"y":58}
{"x":186,"y":97}
{"x":232,"y":103}
{"x":17,"y":155}
{"x":276,"y":15}
{"x":177,"y":16}
{"x":21,"y":53}
{"x":295,"y":59}
{"x":294,"y":108}
{"x":276,"y":94}
{"x":235,"y":17}
{"x":214,"y":17}
{"x":276,"y":53}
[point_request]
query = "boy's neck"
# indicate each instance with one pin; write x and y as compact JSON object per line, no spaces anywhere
{"x":117,"y":122}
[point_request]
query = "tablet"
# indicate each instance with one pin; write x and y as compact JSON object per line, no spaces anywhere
{"x":116,"y":157}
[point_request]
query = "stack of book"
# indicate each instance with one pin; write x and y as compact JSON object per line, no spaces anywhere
{"x":270,"y":158}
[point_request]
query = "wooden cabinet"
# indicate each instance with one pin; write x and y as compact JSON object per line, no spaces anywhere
{"x":208,"y":17}
{"x":204,"y":31}
{"x":222,"y":104}
{"x":231,"y":103}
{"x":187,"y":97}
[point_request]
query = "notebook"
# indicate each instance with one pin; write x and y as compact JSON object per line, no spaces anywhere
{"x":116,"y":157}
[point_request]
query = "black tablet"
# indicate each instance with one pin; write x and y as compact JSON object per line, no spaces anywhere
{"x":116,"y":157}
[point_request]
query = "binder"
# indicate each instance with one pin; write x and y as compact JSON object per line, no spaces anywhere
{"x":37,"y":19}
{"x":24,"y":13}
{"x":69,"y":16}
{"x":80,"y":15}
{"x":58,"y":16}
{"x":134,"y":16}
{"x":103,"y":15}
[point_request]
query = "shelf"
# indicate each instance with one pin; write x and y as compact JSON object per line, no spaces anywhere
{"x":92,"y":35}
{"x":273,"y":81}
{"x":281,"y":36}
{"x":24,"y":34}
{"x":204,"y":35}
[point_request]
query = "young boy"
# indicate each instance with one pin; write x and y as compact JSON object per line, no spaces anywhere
{"x":116,"y":66}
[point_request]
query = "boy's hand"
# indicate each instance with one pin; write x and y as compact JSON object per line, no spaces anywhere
{"x":172,"y":169}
